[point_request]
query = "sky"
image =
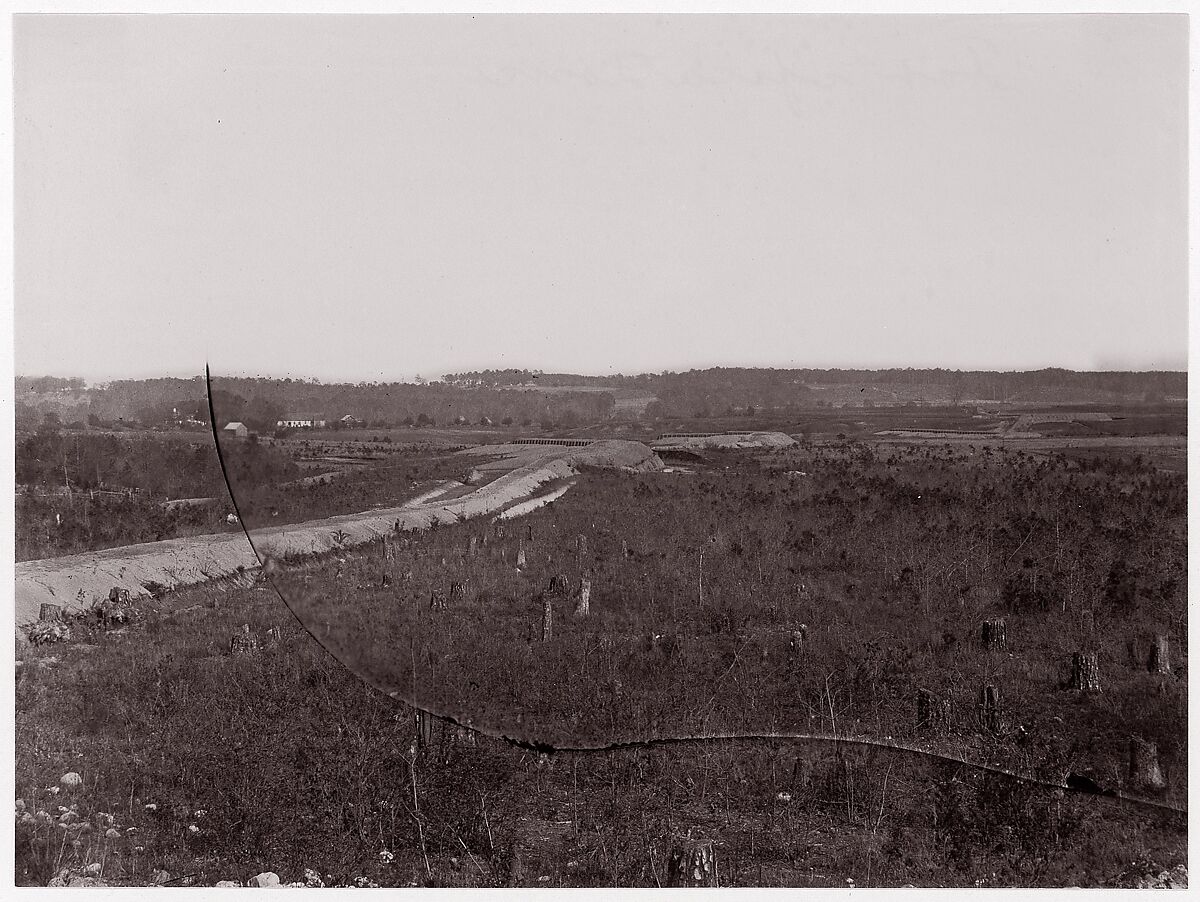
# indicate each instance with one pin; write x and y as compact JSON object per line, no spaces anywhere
{"x":377,"y":197}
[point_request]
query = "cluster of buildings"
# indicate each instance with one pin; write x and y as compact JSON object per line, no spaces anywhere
{"x":299,"y":421}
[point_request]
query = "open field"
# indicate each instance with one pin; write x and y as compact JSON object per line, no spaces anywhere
{"x":73,"y":582}
{"x":835,"y":590}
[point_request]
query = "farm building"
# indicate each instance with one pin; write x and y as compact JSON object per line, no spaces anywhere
{"x":237,"y":430}
{"x":303,"y":421}
{"x":350,"y":421}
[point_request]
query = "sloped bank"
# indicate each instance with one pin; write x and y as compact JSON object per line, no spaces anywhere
{"x":73,"y":581}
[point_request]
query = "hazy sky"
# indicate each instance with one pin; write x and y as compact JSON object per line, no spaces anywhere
{"x":376,"y":197}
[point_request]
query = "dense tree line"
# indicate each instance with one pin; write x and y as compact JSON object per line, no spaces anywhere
{"x":260,"y":403}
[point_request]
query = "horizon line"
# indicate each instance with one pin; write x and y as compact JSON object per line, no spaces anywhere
{"x":92,"y":382}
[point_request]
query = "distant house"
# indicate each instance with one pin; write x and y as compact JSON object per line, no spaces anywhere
{"x":237,"y":430}
{"x":301,"y":422}
{"x":349,"y":421}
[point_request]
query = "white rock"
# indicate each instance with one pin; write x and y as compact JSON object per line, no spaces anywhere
{"x":267,"y":878}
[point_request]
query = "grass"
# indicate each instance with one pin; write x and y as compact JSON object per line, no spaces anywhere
{"x":299,"y":764}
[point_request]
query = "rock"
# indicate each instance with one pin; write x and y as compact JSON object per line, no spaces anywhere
{"x":227,"y":883}
{"x":158,"y":878}
{"x":267,"y":878}
{"x":86,"y":881}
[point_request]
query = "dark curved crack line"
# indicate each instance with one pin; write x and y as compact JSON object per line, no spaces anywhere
{"x":546,"y":748}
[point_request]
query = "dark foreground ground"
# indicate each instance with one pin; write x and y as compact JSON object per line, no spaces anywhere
{"x":213,"y":762}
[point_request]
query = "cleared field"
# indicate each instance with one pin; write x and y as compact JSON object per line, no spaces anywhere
{"x":73,"y":582}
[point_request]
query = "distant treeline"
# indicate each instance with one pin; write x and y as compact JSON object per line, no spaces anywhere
{"x":261,"y":403}
{"x":478,"y":396}
{"x":43,"y":384}
{"x":978,"y":383}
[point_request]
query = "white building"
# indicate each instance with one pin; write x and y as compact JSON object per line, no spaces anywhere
{"x":300,"y":422}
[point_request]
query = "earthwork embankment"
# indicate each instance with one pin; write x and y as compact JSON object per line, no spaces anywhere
{"x":74,"y":581}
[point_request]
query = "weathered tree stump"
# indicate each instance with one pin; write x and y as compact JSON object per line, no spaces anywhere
{"x":547,"y":619}
{"x":797,"y":640}
{"x":50,"y":611}
{"x":558,"y":585}
{"x":1085,"y":671}
{"x":692,"y":863}
{"x":457,"y":590}
{"x":529,"y":531}
{"x":1144,"y":771}
{"x":991,"y":714}
{"x":424,"y":728}
{"x":472,"y":546}
{"x":933,"y":712}
{"x":995,"y":635}
{"x":243,"y":643}
{"x":437,"y":601}
{"x":585,"y":597}
{"x":1160,"y":655}
{"x":520,"y":555}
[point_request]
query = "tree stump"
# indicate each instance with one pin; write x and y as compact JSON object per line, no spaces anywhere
{"x":991,"y":713}
{"x":1144,"y":771}
{"x":389,"y":550}
{"x":585,"y":597}
{"x":529,"y":531}
{"x":243,"y":643}
{"x":437,"y":601}
{"x":547,"y":619}
{"x":457,"y":590}
{"x":558,"y":585}
{"x":1160,"y":655}
{"x":520,"y":555}
{"x":797,"y":640}
{"x":1085,"y":671}
{"x":472,"y":546}
{"x":692,"y":864}
{"x":995,"y":637}
{"x":50,"y":611}
{"x":933,"y":713}
{"x":424,"y":729}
